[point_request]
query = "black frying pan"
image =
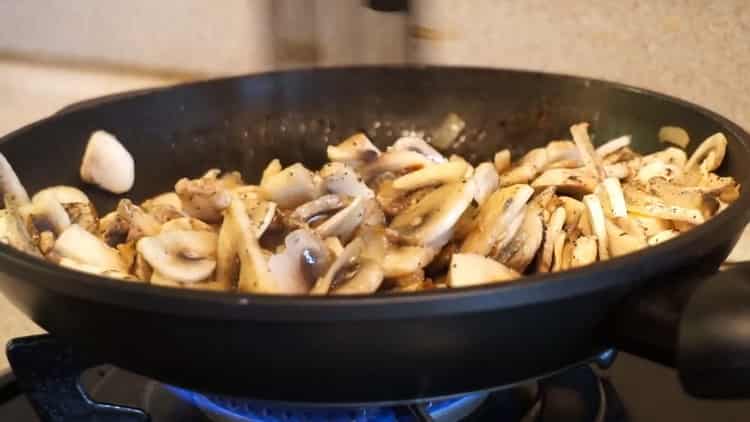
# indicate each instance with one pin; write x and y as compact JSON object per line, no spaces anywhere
{"x":384,"y":348}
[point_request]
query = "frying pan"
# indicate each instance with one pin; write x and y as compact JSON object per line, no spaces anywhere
{"x":665,"y":302}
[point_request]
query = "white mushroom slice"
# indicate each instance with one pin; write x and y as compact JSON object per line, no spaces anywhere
{"x":448,"y":172}
{"x":612,"y":146}
{"x":237,"y":240}
{"x":716,"y":143}
{"x":395,"y":161}
{"x":430,"y":221}
{"x":486,"y":181}
{"x":406,"y":260}
{"x":47,"y":213}
{"x":291,"y":187}
{"x":518,"y":175}
{"x":519,"y":253}
{"x":494,"y":220}
{"x":317,"y":207}
{"x":83,"y":247}
{"x":558,"y":263}
{"x":656,"y":168}
{"x":468,"y":269}
{"x":182,"y":256}
{"x":469,"y":168}
{"x":10,"y":185}
{"x":675,"y":195}
{"x":273,"y":168}
{"x":562,"y":151}
{"x":590,"y":159}
{"x":302,"y":262}
{"x":554,"y":230}
{"x":107,"y":164}
{"x":617,"y":170}
{"x":186,"y":223}
{"x":650,"y":225}
{"x":64,"y":194}
{"x":577,"y":181}
{"x":574,"y":209}
{"x":367,"y":279}
{"x":346,"y":268}
{"x":670,"y":156}
{"x":343,"y":180}
{"x":584,"y":252}
{"x":354,"y":151}
{"x":598,"y":224}
{"x":662,"y":237}
{"x":621,"y":242}
{"x":203,"y":198}
{"x":674,"y":135}
{"x":616,"y":198}
{"x":345,"y":222}
{"x":334,"y":245}
{"x":510,"y":233}
{"x":93,"y":269}
{"x":416,"y":144}
{"x":502,"y":161}
{"x":536,"y":158}
{"x":13,"y":229}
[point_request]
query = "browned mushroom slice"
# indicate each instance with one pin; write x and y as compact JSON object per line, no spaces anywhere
{"x":273,"y":168}
{"x":366,"y":280}
{"x":554,"y":230}
{"x":187,"y":223}
{"x":519,"y":253}
{"x":674,"y":194}
{"x":343,"y":180}
{"x":468,"y":269}
{"x":310,"y":212}
{"x":10,"y":185}
{"x":613,"y":146}
{"x":576,"y":181}
{"x":345,"y":222}
{"x":204,"y":198}
{"x":584,"y":251}
{"x":400,"y":261}
{"x":644,"y":204}
{"x":46,"y":213}
{"x":618,"y":170}
{"x":558,"y":262}
{"x":354,"y":151}
{"x":620,"y":242}
{"x":350,"y":273}
{"x":139,"y":223}
{"x":417,"y":144}
{"x":495,"y":218}
{"x":662,"y":237}
{"x":670,"y":156}
{"x":518,"y":175}
{"x":430,"y":221}
{"x":93,"y":269}
{"x":502,"y":161}
{"x":598,"y":224}
{"x":716,"y":144}
{"x":81,"y":246}
{"x":590,"y":159}
{"x":302,"y":262}
{"x":290,"y":187}
{"x":237,"y":240}
{"x":562,"y":151}
{"x":395,"y":161}
{"x":438,"y":174}
{"x":485,"y":180}
{"x":13,"y":229}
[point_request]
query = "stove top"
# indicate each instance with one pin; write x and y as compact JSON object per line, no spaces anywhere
{"x":630,"y":390}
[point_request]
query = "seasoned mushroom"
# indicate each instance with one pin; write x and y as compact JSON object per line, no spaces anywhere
{"x":302,"y":262}
{"x":345,"y":222}
{"x":621,"y":242}
{"x":47,"y":214}
{"x":10,"y":185}
{"x":13,"y":229}
{"x":612,"y":146}
{"x":438,"y":174}
{"x":354,"y":151}
{"x":716,"y":144}
{"x":343,"y":180}
{"x":486,"y":181}
{"x":181,"y":255}
{"x":93,"y":269}
{"x":598,"y":224}
{"x":418,"y":145}
{"x":83,"y":247}
{"x":395,"y":161}
{"x":468,"y":269}
{"x":495,"y":220}
{"x":310,"y":212}
{"x":350,"y":273}
{"x":576,"y":181}
{"x":502,"y":161}
{"x":584,"y":251}
{"x":400,"y":261}
{"x":590,"y":159}
{"x":107,"y":164}
{"x":290,"y":187}
{"x":204,"y":198}
{"x":674,"y":135}
{"x":519,"y":253}
{"x":662,"y":237}
{"x":139,"y":223}
{"x":430,"y":221}
{"x":554,"y":231}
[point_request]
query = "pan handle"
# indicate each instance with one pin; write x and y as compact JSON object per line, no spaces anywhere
{"x":700,"y":326}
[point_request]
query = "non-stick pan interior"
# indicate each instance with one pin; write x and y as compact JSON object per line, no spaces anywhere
{"x":243,"y":123}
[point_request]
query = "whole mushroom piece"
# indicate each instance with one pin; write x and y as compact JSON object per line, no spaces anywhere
{"x":107,"y":164}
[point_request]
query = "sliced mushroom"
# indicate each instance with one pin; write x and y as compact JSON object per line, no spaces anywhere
{"x":186,"y":223}
{"x":574,"y":209}
{"x":448,"y":172}
{"x":590,"y":159}
{"x":495,"y":218}
{"x":341,"y":179}
{"x":400,"y":261}
{"x":345,"y":222}
{"x":139,"y":223}
{"x":673,"y":194}
{"x":260,"y":211}
{"x":584,"y":251}
{"x":613,"y":146}
{"x":468,"y":269}
{"x":204,"y":198}
{"x":273,"y":168}
{"x":430,"y":221}
{"x":237,"y":240}
{"x":674,"y":135}
{"x":558,"y":262}
{"x":554,"y":230}
{"x":350,"y":273}
{"x":502,"y":161}
{"x":417,"y":144}
{"x":620,"y":242}
{"x":562,"y":151}
{"x":649,"y":205}
{"x":716,"y":144}
{"x":521,"y":174}
{"x":107,"y":164}
{"x":47,"y":213}
{"x":93,"y":269}
{"x":519,"y":253}
{"x":64,"y":194}
{"x":302,"y":262}
{"x":598,"y":224}
{"x":14,"y":231}
{"x":354,"y":151}
{"x":486,"y":181}
{"x":616,"y":199}
{"x":575,"y":181}
{"x":662,"y":237}
{"x":84,"y":214}
{"x":395,"y":161}
{"x":366,"y":280}
{"x":170,"y":198}
{"x":320,"y":207}
{"x":291,"y":187}
{"x":670,"y":156}
{"x":83,"y":247}
{"x":10,"y":185}
{"x":180,"y":255}
{"x":617,"y":170}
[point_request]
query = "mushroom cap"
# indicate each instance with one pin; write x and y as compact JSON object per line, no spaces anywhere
{"x":290,"y":187}
{"x":419,"y":145}
{"x":468,"y":269}
{"x":83,"y":247}
{"x":181,"y":255}
{"x":107,"y":164}
{"x":302,"y":262}
{"x":354,"y":151}
{"x":341,"y":179}
{"x":345,"y":222}
{"x":486,"y":181}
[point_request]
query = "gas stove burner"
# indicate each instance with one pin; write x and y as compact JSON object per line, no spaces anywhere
{"x":223,"y":409}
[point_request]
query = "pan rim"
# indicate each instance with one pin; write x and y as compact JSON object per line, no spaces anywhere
{"x":537,"y":288}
